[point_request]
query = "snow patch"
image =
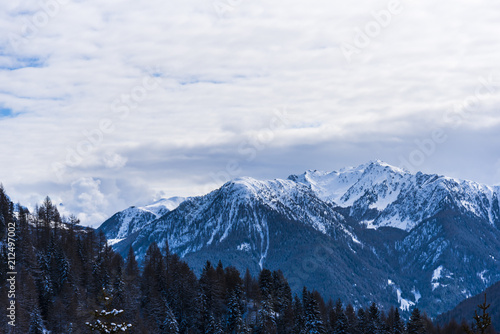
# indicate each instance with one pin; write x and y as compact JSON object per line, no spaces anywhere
{"x":169,"y":203}
{"x":369,"y":224}
{"x":436,"y":275}
{"x":353,"y":237}
{"x":416,"y":294}
{"x":404,"y":304}
{"x":111,"y":242}
{"x":481,"y":276}
{"x":244,"y":247}
{"x":264,"y":254}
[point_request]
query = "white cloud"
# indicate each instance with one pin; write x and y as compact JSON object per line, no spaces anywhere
{"x":113,"y":160}
{"x":220,"y":78}
{"x":87,"y":199}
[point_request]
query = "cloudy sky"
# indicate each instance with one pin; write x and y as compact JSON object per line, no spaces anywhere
{"x":107,"y":104}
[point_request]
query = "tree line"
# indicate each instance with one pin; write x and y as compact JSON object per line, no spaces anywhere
{"x":69,"y":280}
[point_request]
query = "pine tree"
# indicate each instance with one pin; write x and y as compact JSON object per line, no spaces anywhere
{"x":266,"y":321}
{"x":267,"y":316}
{"x":6,"y":212}
{"x":373,"y":320}
{"x":47,"y":214}
{"x":218,"y":328}
{"x":312,"y":314}
{"x":266,"y":284}
{"x":153,"y":288}
{"x":362,"y":323}
{"x":205,"y":320}
{"x":235,"y":323}
{"x":131,"y":286}
{"x":299,"y":321}
{"x":351,"y":319}
{"x":36,"y":323}
{"x":44,"y":283}
{"x":210,"y":325}
{"x":416,"y":324}
{"x":483,"y":321}
{"x":170,"y":325}
{"x":341,"y":323}
{"x":182,"y":295}
{"x":398,"y":326}
{"x":209,"y":289}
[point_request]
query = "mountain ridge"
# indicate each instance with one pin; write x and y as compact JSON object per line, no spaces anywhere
{"x":387,"y":232}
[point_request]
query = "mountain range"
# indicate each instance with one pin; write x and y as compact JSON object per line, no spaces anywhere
{"x":368,"y":233}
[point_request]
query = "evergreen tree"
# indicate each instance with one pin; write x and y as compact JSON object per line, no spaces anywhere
{"x":5,"y":212}
{"x":36,"y":323}
{"x":282,"y":301}
{"x":266,"y":318}
{"x":312,"y":315}
{"x":182,"y":295}
{"x":340,"y":326}
{"x":398,"y":326}
{"x":211,"y":288}
{"x":131,"y":286}
{"x":205,"y":320}
{"x":373,"y":324}
{"x":48,"y":214}
{"x":153,"y":288}
{"x":235,"y":323}
{"x":483,"y":321}
{"x":170,"y":324}
{"x":299,"y":321}
{"x":266,"y":285}
{"x":352,"y":319}
{"x":362,"y":323}
{"x":217,"y":328}
{"x":416,"y":324}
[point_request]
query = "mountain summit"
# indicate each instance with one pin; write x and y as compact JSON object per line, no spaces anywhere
{"x":368,"y":233}
{"x":378,"y":194}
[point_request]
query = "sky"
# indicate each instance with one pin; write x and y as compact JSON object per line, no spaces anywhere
{"x":104,"y":105}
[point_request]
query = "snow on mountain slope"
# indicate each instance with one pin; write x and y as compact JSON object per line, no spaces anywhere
{"x":245,"y":204}
{"x":277,"y":224}
{"x":418,"y":222}
{"x":348,"y":185}
{"x":132,"y":219}
{"x":383,"y":195}
{"x":288,"y":198}
{"x":427,"y":195}
{"x":164,"y":205}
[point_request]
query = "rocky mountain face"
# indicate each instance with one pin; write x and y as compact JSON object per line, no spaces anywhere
{"x":126,"y":222}
{"x":369,"y":233}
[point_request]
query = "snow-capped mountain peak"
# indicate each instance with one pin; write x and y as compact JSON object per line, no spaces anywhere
{"x":163,"y":205}
{"x":383,"y":195}
{"x":346,"y":186}
{"x":124,"y":223}
{"x":318,"y":220}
